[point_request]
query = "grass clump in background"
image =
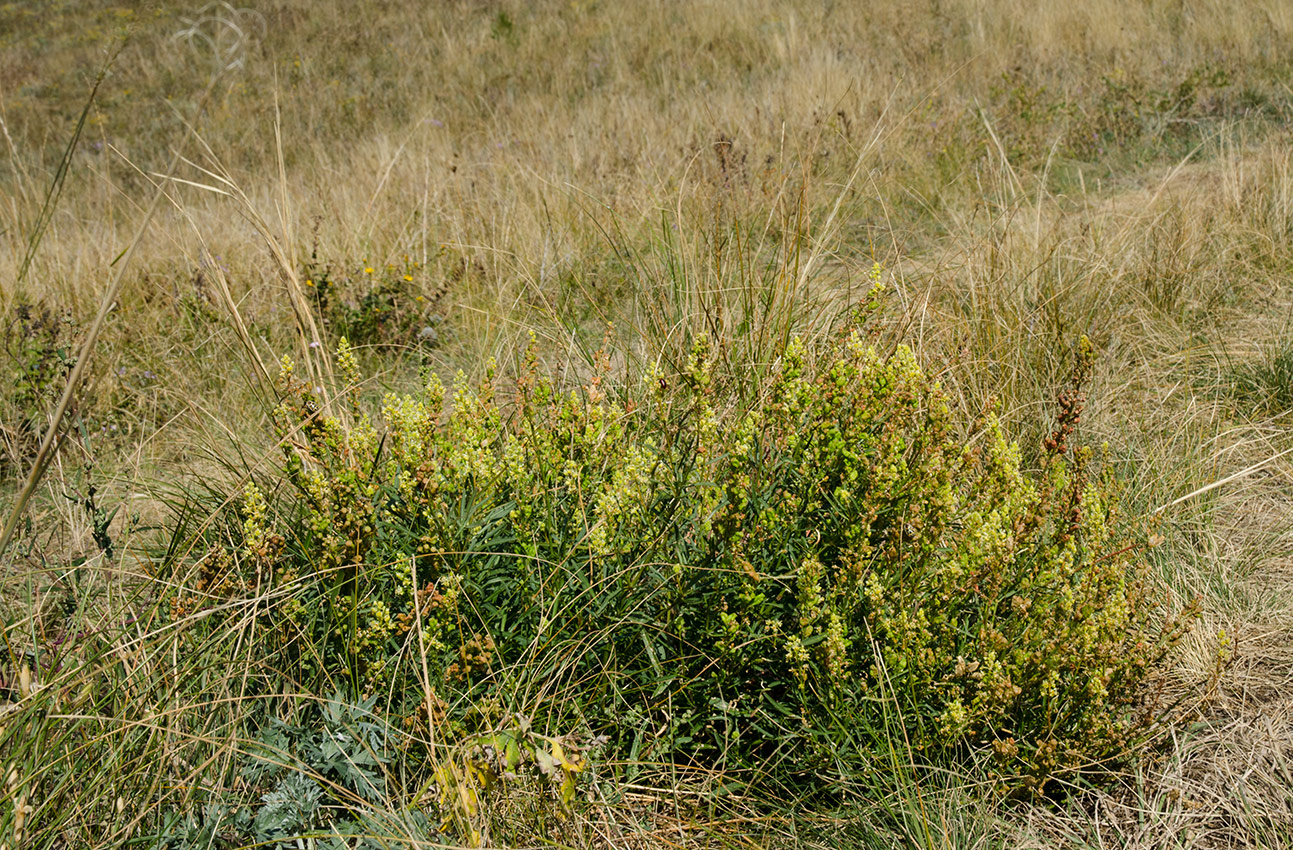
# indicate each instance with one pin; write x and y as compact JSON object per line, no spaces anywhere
{"x":37,"y":348}
{"x":1265,"y":382}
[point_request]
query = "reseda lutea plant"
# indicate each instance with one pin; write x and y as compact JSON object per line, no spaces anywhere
{"x":783,"y":590}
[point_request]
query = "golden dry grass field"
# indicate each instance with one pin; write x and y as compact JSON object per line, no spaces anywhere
{"x":634,"y":199}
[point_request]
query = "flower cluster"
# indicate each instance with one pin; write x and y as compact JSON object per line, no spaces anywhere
{"x":825,"y":547}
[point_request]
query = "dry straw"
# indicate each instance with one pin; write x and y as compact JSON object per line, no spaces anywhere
{"x":217,"y":26}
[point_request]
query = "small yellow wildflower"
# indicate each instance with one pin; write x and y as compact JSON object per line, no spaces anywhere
{"x":368,"y":269}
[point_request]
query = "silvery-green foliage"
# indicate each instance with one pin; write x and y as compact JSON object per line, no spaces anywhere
{"x":289,"y":810}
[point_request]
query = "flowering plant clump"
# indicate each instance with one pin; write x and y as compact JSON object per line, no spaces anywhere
{"x":392,"y":305}
{"x":786,"y":584}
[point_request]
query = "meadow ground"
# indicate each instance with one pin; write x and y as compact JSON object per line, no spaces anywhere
{"x":623,"y":199}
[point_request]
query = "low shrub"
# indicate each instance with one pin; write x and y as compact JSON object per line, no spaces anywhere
{"x":785,"y":587}
{"x":37,"y":350}
{"x":379,"y":307}
{"x":318,"y":776}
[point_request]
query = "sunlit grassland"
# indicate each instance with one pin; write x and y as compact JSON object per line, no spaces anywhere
{"x":440,"y":183}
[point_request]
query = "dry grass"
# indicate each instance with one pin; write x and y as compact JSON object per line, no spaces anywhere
{"x":1028,"y":172}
